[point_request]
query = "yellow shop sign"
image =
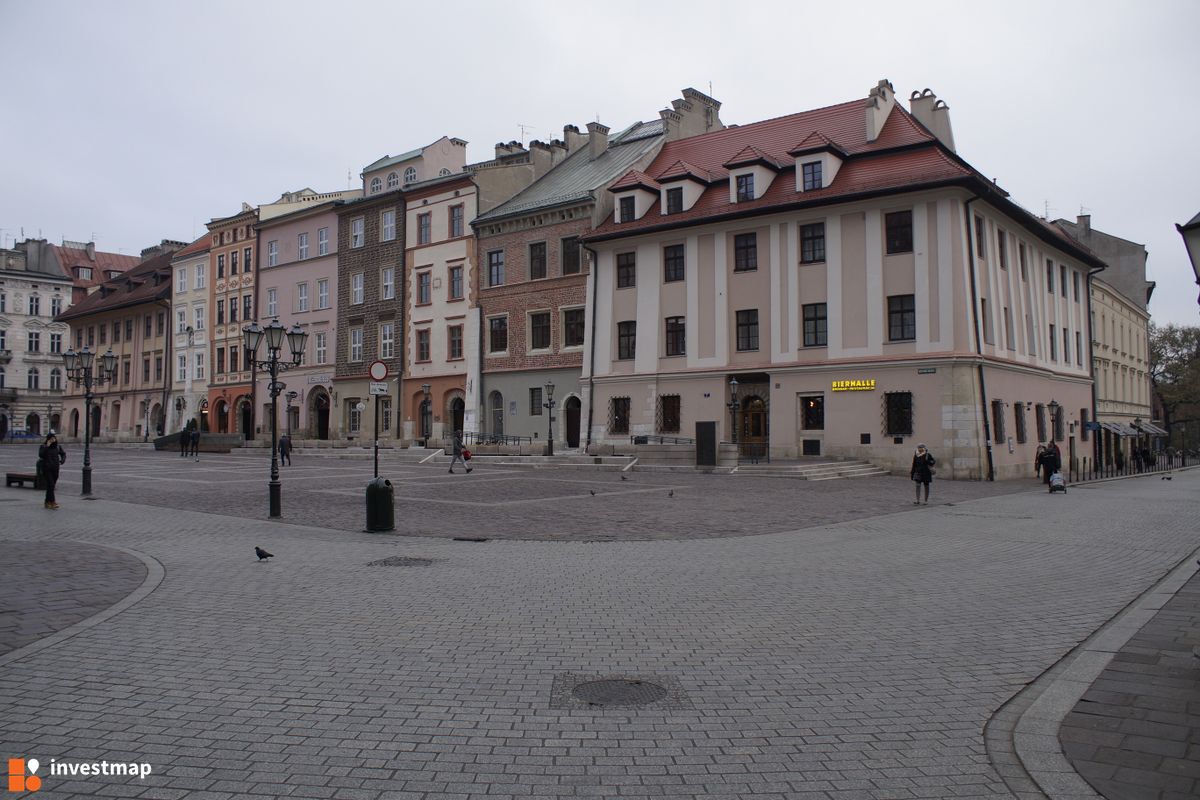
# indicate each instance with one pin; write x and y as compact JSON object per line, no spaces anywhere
{"x":867,"y":385}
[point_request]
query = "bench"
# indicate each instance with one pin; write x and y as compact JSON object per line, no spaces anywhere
{"x":19,"y":478}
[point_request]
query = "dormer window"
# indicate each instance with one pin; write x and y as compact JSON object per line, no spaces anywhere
{"x":376,"y":185}
{"x":675,"y":200}
{"x":410,"y":175}
{"x":627,"y":209}
{"x":393,"y":180}
{"x":85,"y":273}
{"x":812,"y":175}
{"x":745,"y":187}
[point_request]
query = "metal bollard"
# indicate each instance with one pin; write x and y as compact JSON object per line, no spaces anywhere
{"x":381,"y":512}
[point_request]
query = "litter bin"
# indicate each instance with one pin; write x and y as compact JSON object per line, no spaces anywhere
{"x":381,"y":512}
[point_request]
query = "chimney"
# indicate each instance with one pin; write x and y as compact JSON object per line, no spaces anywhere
{"x":1084,"y":221}
{"x":541,"y":156}
{"x":558,"y":151}
{"x":934,"y":114}
{"x":693,"y":114}
{"x":879,"y":107}
{"x":597,"y":140}
{"x":573,"y":138}
{"x":91,"y":251}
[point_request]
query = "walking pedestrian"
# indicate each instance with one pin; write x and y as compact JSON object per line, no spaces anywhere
{"x":922,"y":472}
{"x":1051,"y":461}
{"x":1037,"y":460}
{"x":51,"y":457}
{"x":458,"y":453}
{"x":185,"y":438}
{"x":1120,"y":460}
{"x":285,"y":449}
{"x":195,"y":443}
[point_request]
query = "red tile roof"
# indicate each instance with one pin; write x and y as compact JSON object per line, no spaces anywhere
{"x":148,"y":281}
{"x":682,"y":170}
{"x":752,"y":155}
{"x":815,"y":142}
{"x":197,"y":247}
{"x":102,"y":263}
{"x":634,"y":179}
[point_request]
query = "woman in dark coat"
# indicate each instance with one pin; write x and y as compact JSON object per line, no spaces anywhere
{"x":51,"y":457}
{"x":922,"y":472}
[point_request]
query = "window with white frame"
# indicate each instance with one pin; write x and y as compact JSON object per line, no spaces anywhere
{"x":376,"y":185}
{"x":356,"y":288}
{"x":302,"y":296}
{"x":393,"y":180}
{"x":387,"y":341}
{"x":323,"y":242}
{"x":198,"y":314}
{"x":424,"y":288}
{"x":199,"y":366}
{"x":356,"y":344}
{"x":181,"y":280}
{"x":323,"y":293}
{"x":272,"y":302}
{"x":181,"y":367}
{"x":320,"y":345}
{"x":272,"y":253}
{"x":302,"y":246}
{"x":388,"y":228}
{"x":410,"y":174}
{"x":388,"y":283}
{"x":385,"y":411}
{"x":356,"y":232}
{"x":56,"y":342}
{"x":180,"y":320}
{"x":199,"y":277}
{"x":355,"y":416}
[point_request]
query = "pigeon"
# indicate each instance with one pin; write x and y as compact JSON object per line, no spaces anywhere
{"x":1166,"y":477}
{"x":593,"y":492}
{"x":624,"y":478}
{"x":263,"y":555}
{"x":671,"y":493}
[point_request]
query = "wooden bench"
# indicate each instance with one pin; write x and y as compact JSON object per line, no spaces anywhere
{"x":19,"y":478}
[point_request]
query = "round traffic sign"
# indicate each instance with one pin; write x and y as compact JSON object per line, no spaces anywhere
{"x":379,"y":371}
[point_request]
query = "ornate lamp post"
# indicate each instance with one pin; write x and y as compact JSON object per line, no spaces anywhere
{"x":274,"y":334}
{"x":734,"y":405}
{"x":549,"y":404}
{"x":426,"y":416}
{"x":80,"y":372}
{"x":291,"y":397}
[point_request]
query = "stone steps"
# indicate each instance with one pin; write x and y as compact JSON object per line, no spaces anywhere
{"x":817,"y":471}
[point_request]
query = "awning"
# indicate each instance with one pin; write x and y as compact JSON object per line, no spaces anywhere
{"x":1118,"y":429}
{"x":1152,"y":429}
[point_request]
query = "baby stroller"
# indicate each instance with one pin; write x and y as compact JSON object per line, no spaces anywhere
{"x":1058,"y":483}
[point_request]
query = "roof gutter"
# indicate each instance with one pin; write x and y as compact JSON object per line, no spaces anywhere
{"x":983,"y":400}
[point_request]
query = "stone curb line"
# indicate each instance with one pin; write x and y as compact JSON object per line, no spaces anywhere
{"x":155,"y":572}
{"x":1044,"y":704}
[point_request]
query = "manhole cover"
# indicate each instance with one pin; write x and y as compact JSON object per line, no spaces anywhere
{"x":619,"y":692}
{"x":401,"y":561}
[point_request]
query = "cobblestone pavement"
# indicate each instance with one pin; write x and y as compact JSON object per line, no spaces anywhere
{"x":502,"y":502}
{"x":1136,"y":732}
{"x":853,"y":660}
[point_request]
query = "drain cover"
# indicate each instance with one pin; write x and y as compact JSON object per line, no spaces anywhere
{"x":619,"y":692}
{"x":401,"y":561}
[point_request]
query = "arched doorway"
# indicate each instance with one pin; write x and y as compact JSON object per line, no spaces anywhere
{"x":55,"y":422}
{"x":204,"y":415}
{"x":319,"y":412}
{"x":222,"y":416}
{"x":95,"y":421}
{"x":247,"y":418}
{"x":571,"y":409}
{"x":156,"y":420}
{"x":114,"y":417}
{"x":458,"y":410}
{"x":33,"y":424}
{"x":426,"y":419}
{"x":752,"y":441}
{"x":496,"y":413}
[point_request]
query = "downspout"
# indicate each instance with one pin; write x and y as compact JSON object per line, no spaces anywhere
{"x":1096,"y":446}
{"x":987,"y":426}
{"x":592,"y":350}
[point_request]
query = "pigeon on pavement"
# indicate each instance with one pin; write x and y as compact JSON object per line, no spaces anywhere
{"x":671,"y":493}
{"x":263,"y":555}
{"x":624,"y":478}
{"x":593,"y":491}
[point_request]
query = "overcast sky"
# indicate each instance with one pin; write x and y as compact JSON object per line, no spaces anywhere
{"x":131,"y":122}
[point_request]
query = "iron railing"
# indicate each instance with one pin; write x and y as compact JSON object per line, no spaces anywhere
{"x":1086,"y":469}
{"x":648,"y":438}
{"x":480,"y":438}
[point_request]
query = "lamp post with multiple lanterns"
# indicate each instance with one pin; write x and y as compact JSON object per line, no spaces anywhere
{"x":549,"y":404}
{"x":274,"y":334}
{"x":734,"y":405}
{"x":81,"y":371}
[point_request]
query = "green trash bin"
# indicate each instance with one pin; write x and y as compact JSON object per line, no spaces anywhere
{"x":381,"y":512}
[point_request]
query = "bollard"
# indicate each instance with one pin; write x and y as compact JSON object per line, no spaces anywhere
{"x":381,"y":512}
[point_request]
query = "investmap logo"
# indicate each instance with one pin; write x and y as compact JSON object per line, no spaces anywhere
{"x":23,"y":777}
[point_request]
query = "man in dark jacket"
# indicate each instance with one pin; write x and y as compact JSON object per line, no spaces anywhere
{"x":185,"y":438}
{"x":51,"y":457}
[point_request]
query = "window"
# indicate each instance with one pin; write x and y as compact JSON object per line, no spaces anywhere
{"x":387,"y":340}
{"x":248,"y":307}
{"x":220,"y":312}
{"x":456,"y":283}
{"x":356,"y":344}
{"x":33,"y":379}
{"x":626,"y":340}
{"x":747,"y":329}
{"x":668,"y":416}
{"x":272,"y":255}
{"x":1002,"y":248}
{"x":812,"y":243}
{"x":1053,"y":345}
{"x":985,"y":321}
{"x":376,"y":185}
{"x":1049,"y":276}
{"x":898,"y":226}
{"x":388,"y":284}
{"x":1075,"y":285}
{"x":673,"y":268}
{"x":129,"y":330}
{"x":570,"y":255}
{"x":618,"y":415}
{"x":410,"y":175}
{"x":355,"y":425}
{"x":424,"y":282}
{"x":456,"y":221}
{"x":234,"y":364}
{"x":145,"y":370}
{"x":393,"y":180}
{"x":92,"y":334}
{"x":357,"y":237}
{"x":323,"y":242}
{"x":424,"y":228}
{"x":56,"y":341}
{"x":1060,"y":425}
{"x":220,"y":360}
{"x":627,"y":213}
{"x":537,"y":261}
{"x":4,"y":301}
{"x":233,"y":263}
{"x":320,"y":346}
{"x":221,"y":266}
{"x":199,"y":373}
{"x":745,"y":187}
{"x":181,"y":280}
{"x":812,"y":413}
{"x":356,"y":288}
{"x":898,"y":413}
{"x":246,"y":264}
{"x":1062,"y":275}
{"x":1078,"y":349}
{"x":385,"y":413}
{"x":535,"y":401}
{"x":573,"y":327}
{"x":35,"y":305}
{"x":539,"y":330}
{"x":1066,"y":346}
{"x":1019,"y":422}
{"x":1021,"y":258}
{"x":745,"y":252}
{"x":323,"y":293}
{"x":116,"y":332}
{"x":676,"y":338}
{"x":198,"y":315}
{"x":998,"y":421}
{"x":980,"y":239}
{"x":812,"y":175}
{"x":498,"y":335}
{"x":148,"y":328}
{"x":454,"y":339}
{"x":1010,"y":340}
{"x":302,"y":246}
{"x":181,"y":367}
{"x":816,"y":325}
{"x":33,"y":342}
{"x":495,"y":260}
{"x":302,"y":297}
{"x":272,"y":302}
{"x":388,"y":226}
{"x":674,"y":200}
{"x":626,"y":270}
{"x":902,"y":318}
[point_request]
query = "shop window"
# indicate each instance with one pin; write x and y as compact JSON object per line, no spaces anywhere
{"x":618,"y":415}
{"x":898,"y":413}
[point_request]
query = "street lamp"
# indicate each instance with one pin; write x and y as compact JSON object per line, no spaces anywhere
{"x":291,"y":397}
{"x":80,"y":372}
{"x":549,"y":404}
{"x":426,"y":416}
{"x":274,"y":334}
{"x":734,"y":405}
